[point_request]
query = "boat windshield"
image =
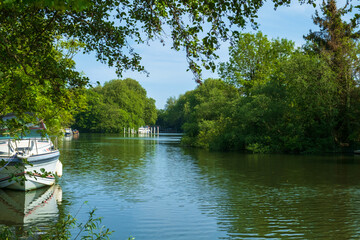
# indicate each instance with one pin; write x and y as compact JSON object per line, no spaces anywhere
{"x":31,"y":133}
{"x":34,"y":129}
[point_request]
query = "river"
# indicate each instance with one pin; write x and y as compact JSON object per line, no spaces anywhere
{"x":152,"y":188}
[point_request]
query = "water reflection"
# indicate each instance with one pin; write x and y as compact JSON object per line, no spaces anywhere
{"x":284,"y":196}
{"x":32,"y":208}
{"x":151,"y":188}
{"x":106,"y":162}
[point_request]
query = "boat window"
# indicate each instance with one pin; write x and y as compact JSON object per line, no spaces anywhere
{"x":33,"y":133}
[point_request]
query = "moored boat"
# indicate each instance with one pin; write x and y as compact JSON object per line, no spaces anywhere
{"x":68,"y":132}
{"x":29,"y":162}
{"x":144,"y":130}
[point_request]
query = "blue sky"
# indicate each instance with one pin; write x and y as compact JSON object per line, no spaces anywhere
{"x":168,"y":76}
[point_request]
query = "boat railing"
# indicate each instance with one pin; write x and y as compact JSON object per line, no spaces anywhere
{"x":24,"y":146}
{"x":6,"y":148}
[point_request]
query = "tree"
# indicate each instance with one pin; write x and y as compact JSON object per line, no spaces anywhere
{"x":129,"y":96}
{"x":285,"y":104}
{"x":117,"y":105}
{"x":254,"y":59}
{"x":172,"y":117}
{"x":150,"y":112}
{"x":88,"y":119}
{"x":30,"y":30}
{"x":337,"y":43}
{"x":202,"y":113}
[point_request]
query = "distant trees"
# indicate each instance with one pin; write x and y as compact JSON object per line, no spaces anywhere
{"x":37,"y":74}
{"x":172,"y":117}
{"x":282,"y":99}
{"x":117,"y":105}
{"x":201,"y":113}
{"x":288,"y":103}
{"x":278,"y":98}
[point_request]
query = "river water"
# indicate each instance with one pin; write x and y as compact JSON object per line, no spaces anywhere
{"x":152,"y":188}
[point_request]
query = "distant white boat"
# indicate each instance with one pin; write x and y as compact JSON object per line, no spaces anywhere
{"x":144,"y":130}
{"x":39,"y":154}
{"x":68,"y":132}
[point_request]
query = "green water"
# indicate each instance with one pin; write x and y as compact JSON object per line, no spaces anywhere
{"x":151,"y":188}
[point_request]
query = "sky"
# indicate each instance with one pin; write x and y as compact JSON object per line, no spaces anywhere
{"x":168,"y":76}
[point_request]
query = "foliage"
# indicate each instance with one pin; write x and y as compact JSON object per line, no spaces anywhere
{"x":91,"y":116}
{"x":117,"y":105}
{"x":171,"y":118}
{"x":37,"y":71}
{"x":282,"y":100}
{"x":254,"y":59}
{"x":38,"y":39}
{"x":336,"y":42}
{"x":285,"y":114}
{"x":201,"y":112}
{"x":48,"y":96}
{"x":107,"y":26}
{"x":91,"y":229}
{"x":150,"y":112}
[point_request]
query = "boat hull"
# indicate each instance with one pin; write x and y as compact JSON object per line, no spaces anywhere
{"x":29,"y":176}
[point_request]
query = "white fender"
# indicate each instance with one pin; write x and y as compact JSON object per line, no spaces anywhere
{"x":58,"y":168}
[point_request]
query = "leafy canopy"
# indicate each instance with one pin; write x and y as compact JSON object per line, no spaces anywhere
{"x":38,"y":76}
{"x":117,"y":105}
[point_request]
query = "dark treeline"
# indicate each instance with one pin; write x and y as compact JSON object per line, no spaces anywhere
{"x":274,"y":97}
{"x":117,"y":105}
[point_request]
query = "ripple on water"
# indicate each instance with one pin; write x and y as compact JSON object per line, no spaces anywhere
{"x":151,"y":188}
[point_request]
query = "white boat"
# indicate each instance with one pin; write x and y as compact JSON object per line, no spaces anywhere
{"x":144,"y":130}
{"x":29,"y":162}
{"x":68,"y":132}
